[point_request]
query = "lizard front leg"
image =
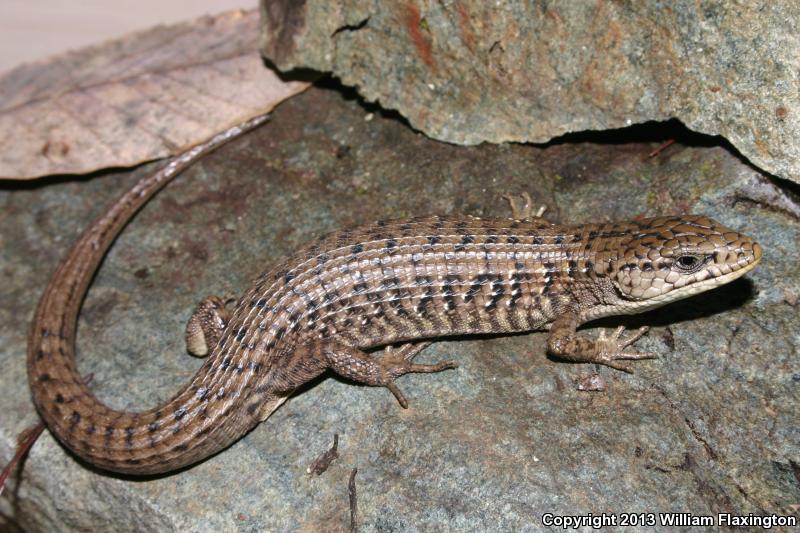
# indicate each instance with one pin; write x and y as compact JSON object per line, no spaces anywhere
{"x":565,"y":343}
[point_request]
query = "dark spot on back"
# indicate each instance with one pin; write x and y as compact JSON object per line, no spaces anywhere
{"x":358,"y":288}
{"x":389,"y":283}
{"x":474,"y":289}
{"x":548,"y":284}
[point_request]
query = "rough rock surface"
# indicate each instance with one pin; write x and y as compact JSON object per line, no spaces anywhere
{"x":709,"y":427}
{"x":473,"y":71}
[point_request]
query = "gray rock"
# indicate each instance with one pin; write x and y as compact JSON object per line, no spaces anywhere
{"x":710,"y":426}
{"x":474,"y":71}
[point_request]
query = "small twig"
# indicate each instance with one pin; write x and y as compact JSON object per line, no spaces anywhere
{"x":661,"y":148}
{"x":351,"y":490}
{"x":25,"y":442}
{"x":324,"y":460}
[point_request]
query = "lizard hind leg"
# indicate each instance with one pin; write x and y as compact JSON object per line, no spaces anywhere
{"x":308,"y":361}
{"x":206,"y":324}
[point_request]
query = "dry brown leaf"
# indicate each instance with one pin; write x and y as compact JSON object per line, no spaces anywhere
{"x":144,"y":96}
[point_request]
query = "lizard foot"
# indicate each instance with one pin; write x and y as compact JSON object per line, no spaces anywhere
{"x":610,"y":349}
{"x":524,"y":211}
{"x":206,"y":324}
{"x":397,"y":362}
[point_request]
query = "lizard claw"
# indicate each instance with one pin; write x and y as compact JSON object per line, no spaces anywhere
{"x":610,"y":348}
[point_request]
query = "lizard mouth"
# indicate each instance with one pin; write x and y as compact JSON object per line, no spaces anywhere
{"x":704,"y":285}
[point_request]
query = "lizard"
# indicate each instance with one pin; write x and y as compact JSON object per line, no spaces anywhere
{"x":391,"y":283}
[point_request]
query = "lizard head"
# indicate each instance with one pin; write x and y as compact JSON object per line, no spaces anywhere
{"x":669,"y":258}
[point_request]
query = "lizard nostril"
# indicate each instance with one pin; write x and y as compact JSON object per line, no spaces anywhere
{"x":756,"y":252}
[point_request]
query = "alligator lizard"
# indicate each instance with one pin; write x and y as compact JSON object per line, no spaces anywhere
{"x":395,"y":282}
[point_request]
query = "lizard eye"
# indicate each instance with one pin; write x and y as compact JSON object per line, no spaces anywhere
{"x":689,"y":262}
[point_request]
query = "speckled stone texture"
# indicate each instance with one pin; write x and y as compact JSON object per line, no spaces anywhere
{"x":710,"y":426}
{"x":516,"y":70}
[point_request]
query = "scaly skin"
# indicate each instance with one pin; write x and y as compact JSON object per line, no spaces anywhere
{"x":381,"y":284}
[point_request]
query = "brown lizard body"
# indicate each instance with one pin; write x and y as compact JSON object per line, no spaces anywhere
{"x":385,"y":283}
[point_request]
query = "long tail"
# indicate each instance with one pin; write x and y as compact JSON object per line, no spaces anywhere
{"x":141,"y":443}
